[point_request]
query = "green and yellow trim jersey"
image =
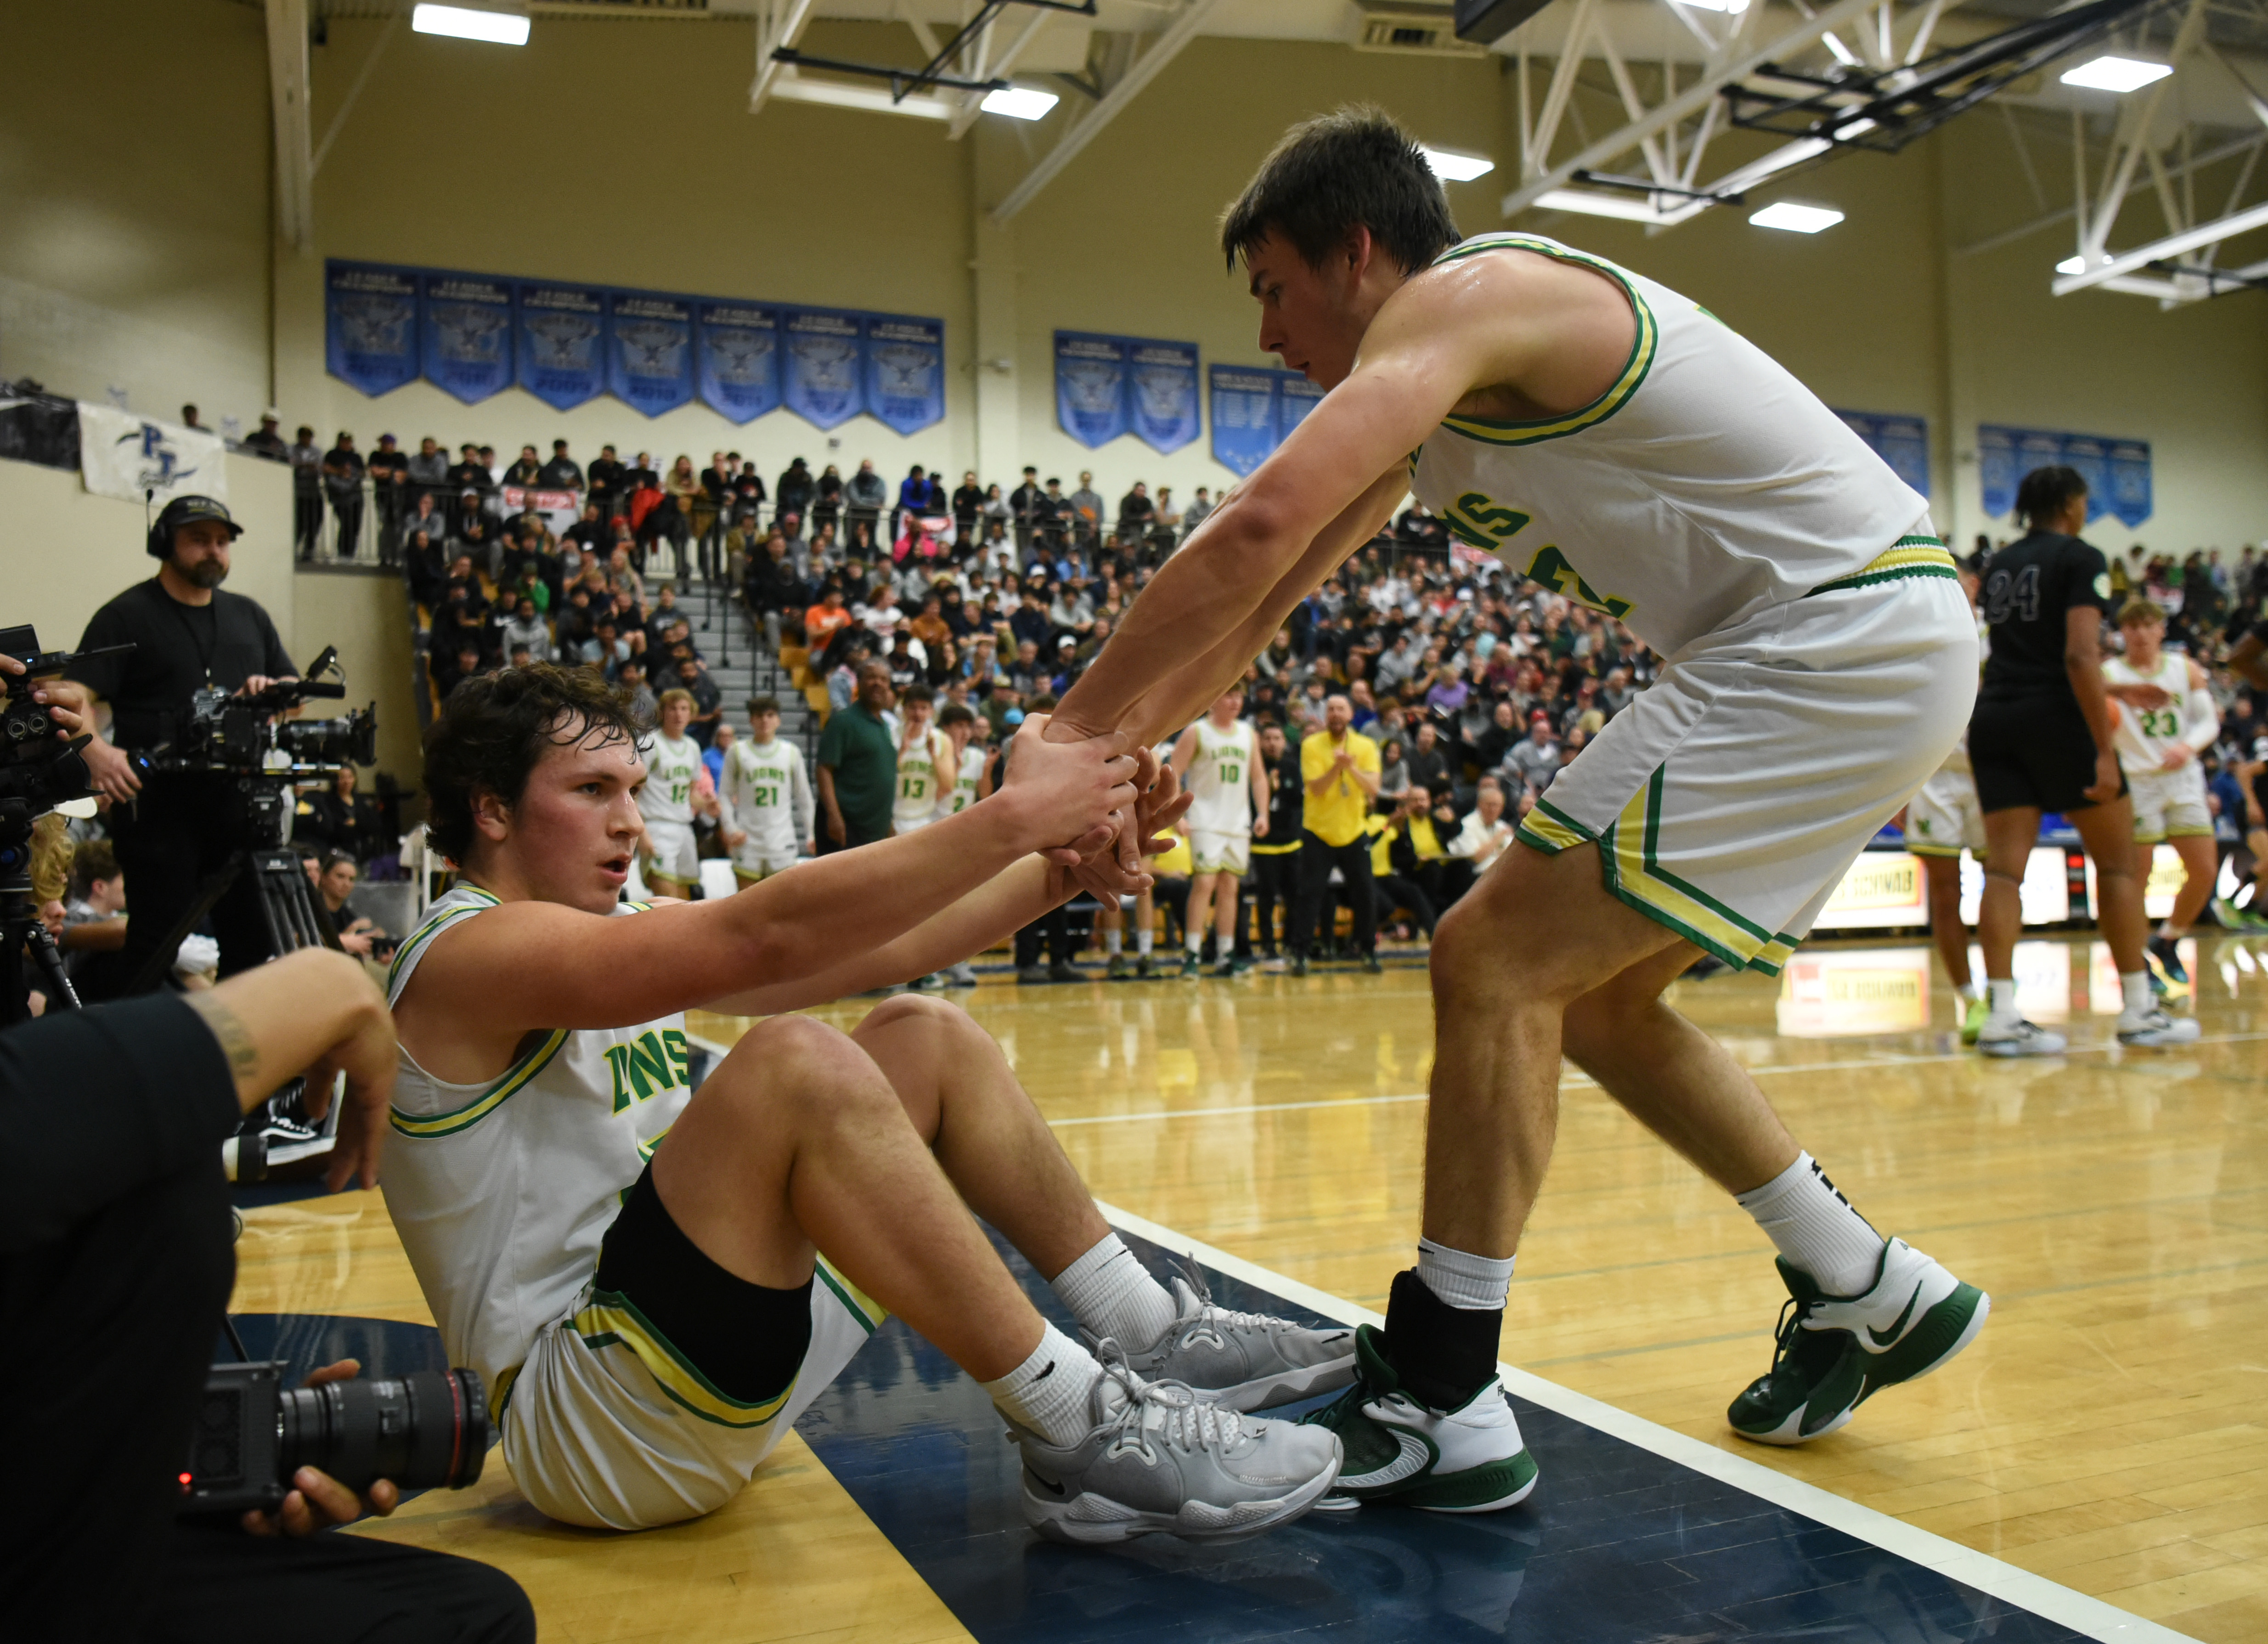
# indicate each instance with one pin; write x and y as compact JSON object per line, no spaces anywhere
{"x":2144,"y":736}
{"x":1702,"y":485}
{"x":502,"y":1191}
{"x":926,"y":767}
{"x":673,"y":767}
{"x":1220,"y":777}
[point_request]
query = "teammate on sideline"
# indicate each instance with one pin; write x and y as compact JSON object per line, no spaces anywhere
{"x":2041,"y":740}
{"x":651,"y":1316}
{"x":1218,"y":761}
{"x":927,"y":766}
{"x":1607,"y":437}
{"x":2168,"y":719}
{"x":767,"y":798}
{"x":972,"y":782}
{"x":1942,"y":820}
{"x":672,"y":763}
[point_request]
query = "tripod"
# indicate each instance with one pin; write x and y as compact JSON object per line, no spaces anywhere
{"x":23,"y":932}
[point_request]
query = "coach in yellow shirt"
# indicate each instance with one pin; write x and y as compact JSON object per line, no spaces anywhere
{"x":1339,"y":767}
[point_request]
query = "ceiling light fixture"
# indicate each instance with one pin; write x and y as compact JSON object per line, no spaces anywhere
{"x":2072,"y":265}
{"x":1796,"y":220}
{"x":498,"y":28}
{"x":2116,"y":74}
{"x":1019,"y":102}
{"x":1451,"y":167}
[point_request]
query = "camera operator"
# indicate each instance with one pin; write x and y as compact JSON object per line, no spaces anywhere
{"x":172,"y":829}
{"x":115,"y":1252}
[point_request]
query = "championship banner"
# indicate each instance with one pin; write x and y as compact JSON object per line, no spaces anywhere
{"x":820,"y":381}
{"x":130,"y":457}
{"x":650,"y":350}
{"x":1162,"y":379}
{"x":1295,"y":397}
{"x":1090,"y":387}
{"x":561,"y":343}
{"x":465,"y":322}
{"x":905,"y":372}
{"x":2116,"y":471}
{"x":1903,"y":442}
{"x":1243,"y":417}
{"x":370,"y":324}
{"x":737,"y":348}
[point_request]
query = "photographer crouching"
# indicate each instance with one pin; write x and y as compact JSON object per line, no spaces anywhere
{"x":173,"y":829}
{"x":116,"y":1254}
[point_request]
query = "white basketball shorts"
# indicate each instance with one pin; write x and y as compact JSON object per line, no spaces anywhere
{"x":1727,"y":800}
{"x":2169,"y":805}
{"x":671,"y":853}
{"x":1214,"y":852}
{"x":606,"y":1427}
{"x":1944,"y":819}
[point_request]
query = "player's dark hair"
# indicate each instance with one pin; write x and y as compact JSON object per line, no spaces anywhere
{"x":917,"y":693}
{"x":956,"y":713}
{"x":2046,"y":492}
{"x":762,"y":705}
{"x":1355,"y":166}
{"x":493,"y":729}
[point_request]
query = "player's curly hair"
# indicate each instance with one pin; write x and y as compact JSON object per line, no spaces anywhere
{"x":2044,"y":493}
{"x":492,"y":730}
{"x":1354,"y":165}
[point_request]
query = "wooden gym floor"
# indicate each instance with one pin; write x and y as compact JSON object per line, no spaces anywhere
{"x":2105,"y":1432}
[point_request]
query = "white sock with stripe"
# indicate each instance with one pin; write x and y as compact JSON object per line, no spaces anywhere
{"x":1816,"y":1229}
{"x":1474,"y":1284}
{"x":1113,"y":1295}
{"x":1048,"y":1392}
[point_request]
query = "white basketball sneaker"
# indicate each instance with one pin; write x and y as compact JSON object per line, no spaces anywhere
{"x":1467,"y":1460}
{"x":2012,"y":1036}
{"x":1243,"y":1360}
{"x":1161,"y":1459}
{"x":2156,"y":1030}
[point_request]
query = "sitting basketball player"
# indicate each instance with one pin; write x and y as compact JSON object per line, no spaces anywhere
{"x":650,"y":1319}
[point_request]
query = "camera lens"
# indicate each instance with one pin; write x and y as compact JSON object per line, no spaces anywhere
{"x":423,"y":1431}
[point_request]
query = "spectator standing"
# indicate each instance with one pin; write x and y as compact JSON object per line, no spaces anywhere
{"x":266,"y":440}
{"x":1338,"y":770}
{"x":604,"y":483}
{"x":389,"y":489}
{"x":1195,"y":515}
{"x":306,"y":460}
{"x":563,"y":473}
{"x":1023,"y":507}
{"x":342,"y":471}
{"x":858,"y":766}
{"x":1275,"y":882}
{"x":866,"y":495}
{"x":967,"y":508}
{"x":429,"y":476}
{"x":1136,"y":511}
{"x":526,"y":469}
{"x":1087,"y":513}
{"x":827,"y":501}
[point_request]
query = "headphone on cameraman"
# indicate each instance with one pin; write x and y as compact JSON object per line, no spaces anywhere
{"x":186,"y":510}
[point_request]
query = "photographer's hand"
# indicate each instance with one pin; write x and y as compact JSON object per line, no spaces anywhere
{"x":317,"y":1500}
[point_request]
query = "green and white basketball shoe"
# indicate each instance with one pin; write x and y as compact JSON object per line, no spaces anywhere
{"x":1467,"y":1460}
{"x":1972,"y":1020}
{"x":1835,"y":1353}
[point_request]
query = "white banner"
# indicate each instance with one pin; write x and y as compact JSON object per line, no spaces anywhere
{"x":126,"y":456}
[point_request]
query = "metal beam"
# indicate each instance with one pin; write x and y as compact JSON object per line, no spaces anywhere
{"x":287,"y":95}
{"x":787,"y":19}
{"x":1689,"y":102}
{"x":346,"y":104}
{"x":2160,"y":250}
{"x":1139,"y":74}
{"x":997,"y":68}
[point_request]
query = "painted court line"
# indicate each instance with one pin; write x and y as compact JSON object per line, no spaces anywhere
{"x":1580,"y":1081}
{"x":2043,"y":1598}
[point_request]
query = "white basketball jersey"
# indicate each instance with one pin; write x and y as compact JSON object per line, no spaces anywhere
{"x":762,"y":780}
{"x":1706,"y":484}
{"x":2144,"y":736}
{"x":964,"y":784}
{"x":1220,"y":778}
{"x":502,"y":1192}
{"x":672,"y":764}
{"x":923,"y":769}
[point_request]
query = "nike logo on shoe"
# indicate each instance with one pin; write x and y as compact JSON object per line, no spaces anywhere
{"x":1889,"y":1338}
{"x":1416,"y":1457}
{"x":1052,"y":1489}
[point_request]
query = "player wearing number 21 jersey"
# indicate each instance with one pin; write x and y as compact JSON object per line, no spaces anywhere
{"x":768,"y":800}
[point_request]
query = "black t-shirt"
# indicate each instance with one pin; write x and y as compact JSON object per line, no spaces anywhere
{"x":1286,"y":796}
{"x":2028,"y":586}
{"x":178,"y":649}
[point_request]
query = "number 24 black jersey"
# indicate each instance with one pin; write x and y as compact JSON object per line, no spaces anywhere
{"x":2028,"y":586}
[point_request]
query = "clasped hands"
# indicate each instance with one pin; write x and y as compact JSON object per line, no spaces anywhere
{"x":1107,"y":860}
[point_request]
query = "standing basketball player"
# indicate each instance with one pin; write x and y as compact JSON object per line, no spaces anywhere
{"x":2158,"y":745}
{"x":926,"y":765}
{"x":672,"y":763}
{"x":2041,"y":740}
{"x":1611,"y":439}
{"x":1218,"y":761}
{"x":971,"y":762}
{"x":768,"y":808}
{"x":650,"y":1319}
{"x":1942,"y":820}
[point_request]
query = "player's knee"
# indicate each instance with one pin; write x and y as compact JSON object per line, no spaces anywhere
{"x":1469,"y":963}
{"x":919,"y":1013}
{"x":793,"y":1063}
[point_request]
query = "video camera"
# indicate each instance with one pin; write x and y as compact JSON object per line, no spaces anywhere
{"x":39,"y":769}
{"x":425,"y":1431}
{"x":242,"y":735}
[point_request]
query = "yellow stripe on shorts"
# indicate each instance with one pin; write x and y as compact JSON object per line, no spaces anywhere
{"x":612,"y":1320}
{"x":1908,"y":556}
{"x":1628,"y":850}
{"x":1551,"y":831}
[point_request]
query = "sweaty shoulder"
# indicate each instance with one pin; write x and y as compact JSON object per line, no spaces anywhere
{"x":1533,"y":332}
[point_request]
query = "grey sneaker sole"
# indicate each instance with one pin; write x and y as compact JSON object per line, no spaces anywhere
{"x":2009,"y":1048}
{"x":1284,"y":1388}
{"x":2165,"y":1038}
{"x":1089,"y":1520}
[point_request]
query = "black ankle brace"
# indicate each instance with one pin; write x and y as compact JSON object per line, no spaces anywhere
{"x":1443,"y":1354}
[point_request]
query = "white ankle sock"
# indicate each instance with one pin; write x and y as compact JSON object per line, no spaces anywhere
{"x":1474,"y":1284}
{"x":1972,"y":990}
{"x":2000,"y":995}
{"x":1194,"y":942}
{"x":1112,"y":942}
{"x":1112,"y":1294}
{"x":1816,"y":1229}
{"x":1048,"y":1391}
{"x":1144,"y":939}
{"x":2136,"y":988}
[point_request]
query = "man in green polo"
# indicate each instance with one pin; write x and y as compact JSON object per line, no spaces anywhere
{"x":858,"y":766}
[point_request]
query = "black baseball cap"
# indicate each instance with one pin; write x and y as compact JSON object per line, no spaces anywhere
{"x":189,"y":510}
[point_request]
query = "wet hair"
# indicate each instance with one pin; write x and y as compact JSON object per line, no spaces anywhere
{"x":1353,"y":167}
{"x":2141,"y":611}
{"x":493,"y":729}
{"x":2046,"y":492}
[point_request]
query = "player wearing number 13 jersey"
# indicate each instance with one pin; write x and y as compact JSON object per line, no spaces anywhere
{"x":1614,"y":441}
